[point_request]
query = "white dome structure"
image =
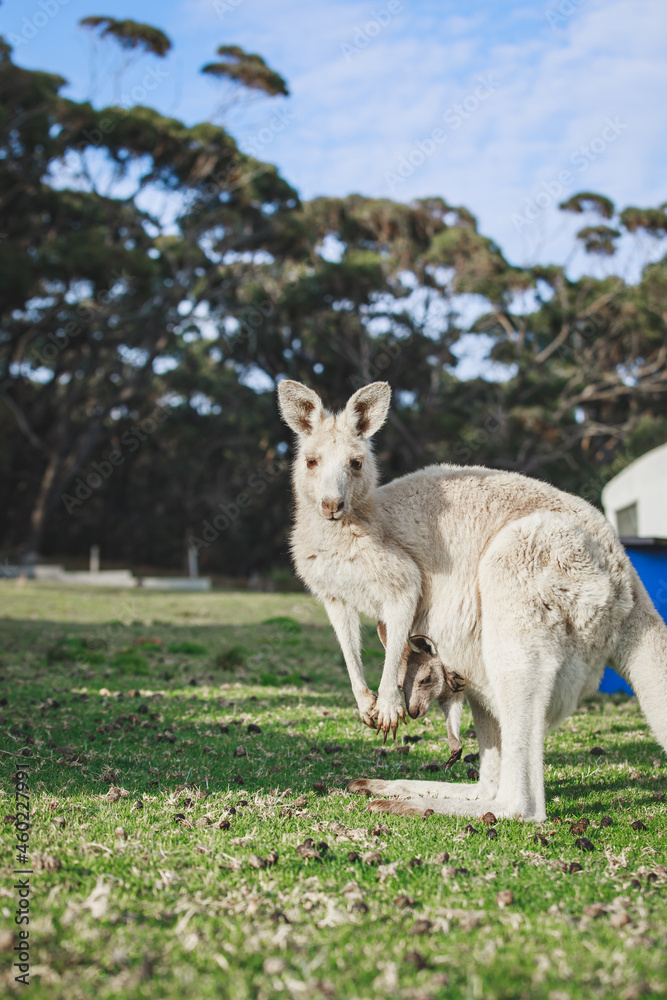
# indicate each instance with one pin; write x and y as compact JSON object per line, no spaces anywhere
{"x":635,"y":501}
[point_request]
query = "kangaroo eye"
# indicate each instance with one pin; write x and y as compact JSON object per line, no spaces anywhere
{"x":426,"y":680}
{"x":356,"y":463}
{"x":311,"y":462}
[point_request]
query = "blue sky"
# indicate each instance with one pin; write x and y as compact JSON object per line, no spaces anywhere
{"x":505,"y":107}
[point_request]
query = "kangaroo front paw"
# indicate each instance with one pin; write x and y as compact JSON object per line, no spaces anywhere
{"x":388,"y":712}
{"x":455,"y":682}
{"x":366,"y":705}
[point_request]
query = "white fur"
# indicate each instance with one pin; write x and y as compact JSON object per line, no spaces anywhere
{"x":525,"y":588}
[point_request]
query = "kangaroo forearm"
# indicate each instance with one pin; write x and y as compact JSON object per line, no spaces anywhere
{"x":398,"y":619}
{"x":345,"y":623}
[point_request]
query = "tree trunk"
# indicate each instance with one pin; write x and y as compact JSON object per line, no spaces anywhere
{"x":30,"y":548}
{"x":62,"y":464}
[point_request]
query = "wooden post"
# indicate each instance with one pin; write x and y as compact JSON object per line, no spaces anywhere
{"x":193,"y":560}
{"x":94,"y":559}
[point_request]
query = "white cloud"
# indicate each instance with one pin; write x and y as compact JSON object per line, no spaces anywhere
{"x":557,"y":94}
{"x":356,"y":117}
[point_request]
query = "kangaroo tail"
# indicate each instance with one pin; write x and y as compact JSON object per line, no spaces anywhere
{"x":641,"y":659}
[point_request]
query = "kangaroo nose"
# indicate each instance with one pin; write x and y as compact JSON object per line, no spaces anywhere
{"x":330,"y":507}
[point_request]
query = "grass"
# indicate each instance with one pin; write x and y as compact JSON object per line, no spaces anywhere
{"x":156,"y":811}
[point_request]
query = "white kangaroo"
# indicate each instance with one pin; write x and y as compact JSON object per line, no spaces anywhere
{"x":526,"y":588}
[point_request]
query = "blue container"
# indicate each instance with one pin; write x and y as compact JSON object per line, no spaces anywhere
{"x":649,"y":557}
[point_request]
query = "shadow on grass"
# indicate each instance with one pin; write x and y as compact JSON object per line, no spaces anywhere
{"x":113,"y":733}
{"x":144,"y":706}
{"x":280,"y":651}
{"x":650,"y":780}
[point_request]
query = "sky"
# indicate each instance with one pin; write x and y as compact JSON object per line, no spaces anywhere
{"x":503,"y":106}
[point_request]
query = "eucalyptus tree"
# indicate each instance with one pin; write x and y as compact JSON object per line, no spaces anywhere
{"x":92,"y":288}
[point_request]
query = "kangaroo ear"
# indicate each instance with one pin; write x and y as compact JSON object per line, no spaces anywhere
{"x":421,"y":644}
{"x":300,"y":407}
{"x":366,"y":411}
{"x":382,"y":632}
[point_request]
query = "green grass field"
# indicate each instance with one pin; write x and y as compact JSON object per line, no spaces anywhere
{"x":179,"y":751}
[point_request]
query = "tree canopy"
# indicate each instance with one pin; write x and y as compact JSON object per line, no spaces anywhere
{"x":247,"y":69}
{"x":129,"y":34}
